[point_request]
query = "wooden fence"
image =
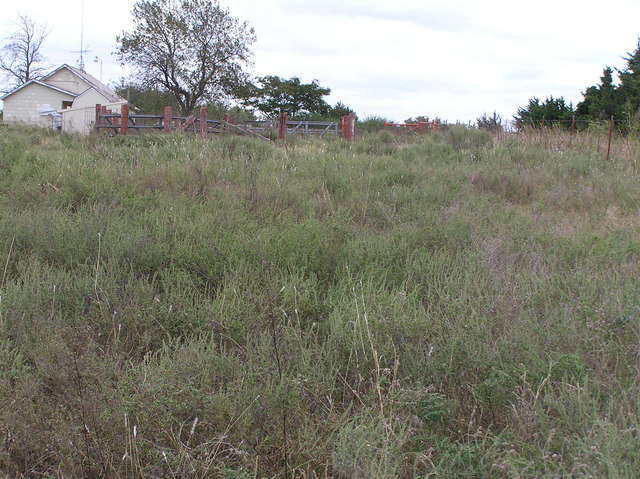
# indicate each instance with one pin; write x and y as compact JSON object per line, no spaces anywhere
{"x":114,"y":123}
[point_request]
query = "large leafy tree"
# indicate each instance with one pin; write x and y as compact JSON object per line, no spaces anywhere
{"x":272,"y":94}
{"x":552,"y":111}
{"x":194,"y":49}
{"x":21,"y":58}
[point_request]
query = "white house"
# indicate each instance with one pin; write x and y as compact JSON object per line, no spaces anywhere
{"x":43,"y":102}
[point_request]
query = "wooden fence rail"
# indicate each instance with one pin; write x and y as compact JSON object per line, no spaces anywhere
{"x":114,"y":123}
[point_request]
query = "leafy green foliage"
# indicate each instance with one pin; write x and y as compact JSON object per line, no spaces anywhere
{"x":602,"y":101}
{"x":371,"y":124}
{"x":194,"y":49}
{"x":630,"y":84}
{"x":617,"y":98}
{"x":146,"y":100}
{"x":272,"y":94}
{"x":550,"y":112}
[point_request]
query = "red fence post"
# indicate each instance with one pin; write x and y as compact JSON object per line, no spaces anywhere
{"x":203,"y":122}
{"x":124,"y":119}
{"x":166,"y":120}
{"x":348,"y":124}
{"x":282,"y":126}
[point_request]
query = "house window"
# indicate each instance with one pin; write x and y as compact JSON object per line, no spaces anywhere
{"x":66,"y":104}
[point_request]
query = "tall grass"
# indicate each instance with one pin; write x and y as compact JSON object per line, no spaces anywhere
{"x":452,"y":305}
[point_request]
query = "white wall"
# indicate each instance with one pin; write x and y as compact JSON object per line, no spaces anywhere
{"x":81,"y":120}
{"x":67,"y":81}
{"x":25,"y":105}
{"x":89,"y":99}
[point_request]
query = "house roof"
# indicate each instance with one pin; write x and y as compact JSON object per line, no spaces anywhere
{"x":41,"y":83}
{"x":100,"y":87}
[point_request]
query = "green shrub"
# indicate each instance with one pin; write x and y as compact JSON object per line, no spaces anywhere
{"x":472,"y":139}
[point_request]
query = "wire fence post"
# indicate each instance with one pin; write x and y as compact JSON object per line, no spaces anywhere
{"x":609,"y":140}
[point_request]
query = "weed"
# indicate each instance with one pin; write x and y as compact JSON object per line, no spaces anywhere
{"x":454,"y":304}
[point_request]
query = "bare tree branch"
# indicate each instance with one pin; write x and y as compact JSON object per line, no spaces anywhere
{"x":21,"y":58}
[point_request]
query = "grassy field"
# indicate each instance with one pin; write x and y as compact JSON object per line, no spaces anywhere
{"x":457,"y":305}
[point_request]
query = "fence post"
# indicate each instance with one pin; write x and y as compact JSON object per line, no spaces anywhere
{"x":166,"y":120}
{"x":348,"y":126}
{"x":124,"y":119}
{"x":282,"y":125}
{"x":610,"y":135}
{"x":98,"y":111}
{"x":103,"y":112}
{"x":203,"y":122}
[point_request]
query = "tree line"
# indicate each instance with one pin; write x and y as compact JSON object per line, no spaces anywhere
{"x":616,"y":95}
{"x":193,"y":53}
{"x":185,"y":54}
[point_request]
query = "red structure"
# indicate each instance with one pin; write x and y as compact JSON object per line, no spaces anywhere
{"x":282,"y":125}
{"x":125,"y":122}
{"x":348,"y":127}
{"x":203,"y":122}
{"x":420,"y":127}
{"x":166,"y":121}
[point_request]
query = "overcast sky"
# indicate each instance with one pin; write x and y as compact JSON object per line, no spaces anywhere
{"x":397,"y":58}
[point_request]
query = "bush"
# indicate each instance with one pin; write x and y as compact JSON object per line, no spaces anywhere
{"x":462,"y":138}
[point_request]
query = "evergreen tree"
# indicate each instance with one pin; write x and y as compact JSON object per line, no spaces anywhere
{"x":630,"y":85}
{"x":552,"y":111}
{"x":339,"y":110}
{"x":602,"y":101}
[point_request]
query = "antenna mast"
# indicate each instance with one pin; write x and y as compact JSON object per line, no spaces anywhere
{"x":82,"y":50}
{"x":81,"y":62}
